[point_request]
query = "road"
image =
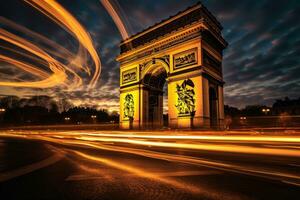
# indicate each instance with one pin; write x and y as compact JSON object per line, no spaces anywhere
{"x":114,"y":165}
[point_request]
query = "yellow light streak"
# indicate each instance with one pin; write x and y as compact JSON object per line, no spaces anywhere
{"x":205,"y":147}
{"x":140,"y":135}
{"x":67,"y":76}
{"x":56,"y":49}
{"x":140,"y":172}
{"x":66,"y":138}
{"x":53,"y":10}
{"x":25,"y":66}
{"x":115,"y":16}
{"x":58,"y":76}
{"x":63,"y":75}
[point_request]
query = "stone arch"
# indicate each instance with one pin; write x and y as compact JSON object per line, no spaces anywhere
{"x":179,"y":52}
{"x":150,"y":66}
{"x":153,"y":79}
{"x":155,"y":74}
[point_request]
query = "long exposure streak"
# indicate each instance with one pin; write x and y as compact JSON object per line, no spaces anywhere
{"x":45,"y":55}
{"x":62,"y":17}
{"x":114,"y":144}
{"x":66,"y":74}
{"x":116,"y":17}
{"x":58,"y":76}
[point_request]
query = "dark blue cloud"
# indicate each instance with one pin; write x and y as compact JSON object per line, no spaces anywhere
{"x":260,"y":64}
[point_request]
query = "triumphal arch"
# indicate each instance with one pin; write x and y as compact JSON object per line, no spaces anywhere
{"x":184,"y":52}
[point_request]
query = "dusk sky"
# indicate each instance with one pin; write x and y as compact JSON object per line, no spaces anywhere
{"x":261,"y":63}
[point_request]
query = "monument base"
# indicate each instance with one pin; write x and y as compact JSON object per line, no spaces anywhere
{"x":185,"y":121}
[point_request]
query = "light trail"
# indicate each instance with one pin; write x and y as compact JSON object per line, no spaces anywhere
{"x":60,"y":74}
{"x":63,"y":18}
{"x":204,"y":147}
{"x":44,"y":42}
{"x":94,"y":171}
{"x":116,"y":17}
{"x":54,"y":49}
{"x":7,"y":175}
{"x":26,"y":67}
{"x":269,"y":173}
{"x":219,"y":165}
{"x":156,"y":135}
{"x":64,"y":67}
{"x":141,"y":173}
{"x":141,"y":135}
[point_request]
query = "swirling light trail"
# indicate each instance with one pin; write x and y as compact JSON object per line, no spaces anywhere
{"x":66,"y":73}
{"x":116,"y":17}
{"x":65,"y":66}
{"x":45,"y":45}
{"x":58,"y":76}
{"x":63,"y":18}
{"x":24,"y":66}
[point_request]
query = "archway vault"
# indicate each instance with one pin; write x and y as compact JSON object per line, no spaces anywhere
{"x":155,"y":73}
{"x":184,"y":52}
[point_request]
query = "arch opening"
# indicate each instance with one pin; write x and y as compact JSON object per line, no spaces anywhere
{"x":154,"y":81}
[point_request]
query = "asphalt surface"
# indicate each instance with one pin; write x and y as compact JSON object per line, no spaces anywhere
{"x":40,"y":167}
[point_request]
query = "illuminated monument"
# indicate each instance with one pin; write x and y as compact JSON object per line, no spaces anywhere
{"x":184,"y":51}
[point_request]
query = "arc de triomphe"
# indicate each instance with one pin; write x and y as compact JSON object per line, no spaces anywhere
{"x":184,"y":52}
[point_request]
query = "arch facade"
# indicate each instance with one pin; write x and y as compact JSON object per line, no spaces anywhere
{"x":185,"y":52}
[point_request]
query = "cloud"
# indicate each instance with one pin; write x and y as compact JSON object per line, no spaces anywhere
{"x":260,"y":64}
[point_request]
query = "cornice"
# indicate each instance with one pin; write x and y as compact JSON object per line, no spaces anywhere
{"x":161,"y":44}
{"x":189,"y":16}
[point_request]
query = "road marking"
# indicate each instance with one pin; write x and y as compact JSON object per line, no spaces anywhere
{"x":5,"y":176}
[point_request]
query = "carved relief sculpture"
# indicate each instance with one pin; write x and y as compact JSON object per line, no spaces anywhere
{"x":186,"y":98}
{"x":129,"y":76}
{"x":185,"y":59}
{"x":129,"y":106}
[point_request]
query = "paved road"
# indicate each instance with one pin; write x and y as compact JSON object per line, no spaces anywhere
{"x":89,"y":166}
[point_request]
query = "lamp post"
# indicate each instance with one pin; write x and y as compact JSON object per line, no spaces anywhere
{"x":67,"y":119}
{"x":94,"y":118}
{"x":243,"y":121}
{"x":266,"y":110}
{"x":2,"y":111}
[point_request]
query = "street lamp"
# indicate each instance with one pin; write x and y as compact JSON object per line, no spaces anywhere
{"x":2,"y":111}
{"x":266,"y":110}
{"x":243,"y":121}
{"x":94,"y":118}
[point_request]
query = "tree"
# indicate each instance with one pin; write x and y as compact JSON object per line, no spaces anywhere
{"x":231,"y":111}
{"x":287,"y":106}
{"x":253,"y":110}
